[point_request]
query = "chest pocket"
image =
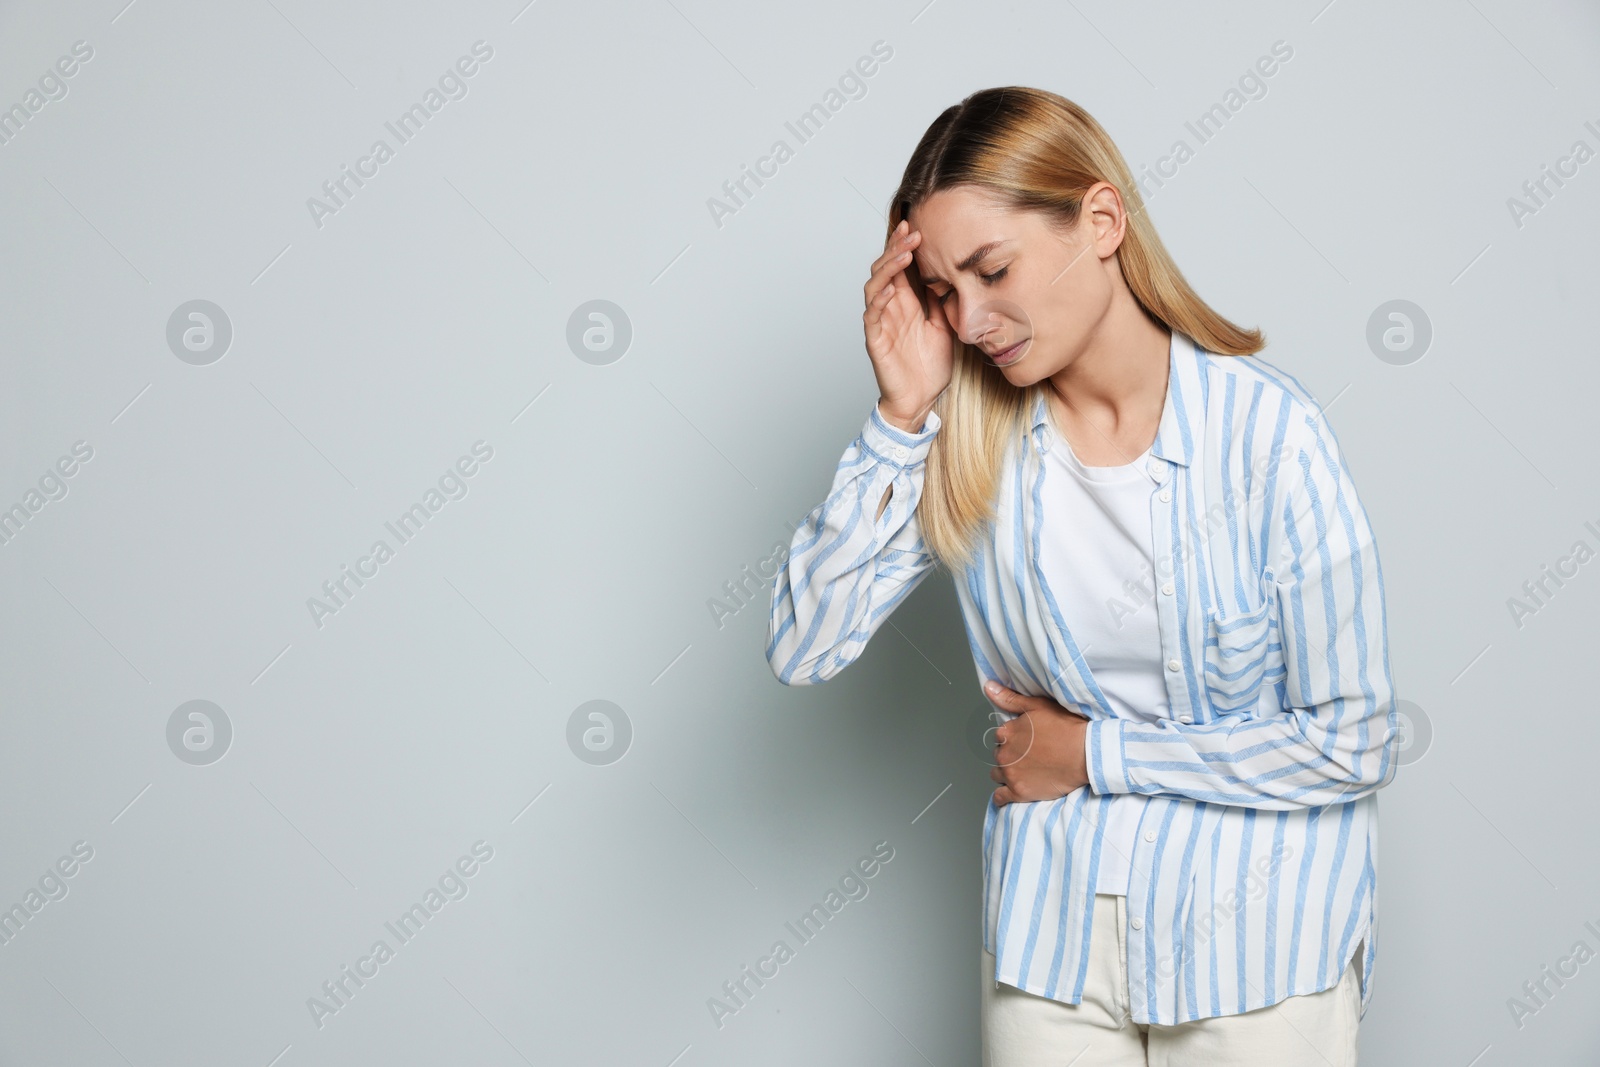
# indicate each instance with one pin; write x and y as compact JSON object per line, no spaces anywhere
{"x":1239,"y":650}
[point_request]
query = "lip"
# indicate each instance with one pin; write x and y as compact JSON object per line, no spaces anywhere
{"x":1007,"y":356}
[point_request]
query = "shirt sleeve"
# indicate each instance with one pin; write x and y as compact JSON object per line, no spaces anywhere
{"x":1336,"y":736}
{"x":847,"y":567}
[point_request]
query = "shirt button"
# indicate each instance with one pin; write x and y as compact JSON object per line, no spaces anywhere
{"x":1137,"y":923}
{"x":1173,"y":665}
{"x":1155,"y":467}
{"x":1149,"y":835}
{"x":900,"y":453}
{"x":1166,"y":496}
{"x":1167,"y":589}
{"x":1185,"y":718}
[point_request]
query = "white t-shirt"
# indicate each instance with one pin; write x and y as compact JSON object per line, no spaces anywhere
{"x":1096,"y":554}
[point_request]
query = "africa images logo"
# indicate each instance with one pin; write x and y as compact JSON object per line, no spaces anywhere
{"x":852,"y":886}
{"x":852,"y":85}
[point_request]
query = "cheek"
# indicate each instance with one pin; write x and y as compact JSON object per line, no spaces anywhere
{"x":1076,"y":301}
{"x":1061,"y":318}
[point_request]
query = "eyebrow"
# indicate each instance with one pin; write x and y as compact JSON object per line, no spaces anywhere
{"x":971,"y":260}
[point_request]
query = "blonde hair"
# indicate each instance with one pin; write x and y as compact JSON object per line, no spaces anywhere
{"x":1036,"y":151}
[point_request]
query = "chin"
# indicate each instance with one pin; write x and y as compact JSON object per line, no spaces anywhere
{"x":1033,"y":367}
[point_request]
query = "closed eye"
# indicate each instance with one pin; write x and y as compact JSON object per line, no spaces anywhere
{"x":988,"y":279}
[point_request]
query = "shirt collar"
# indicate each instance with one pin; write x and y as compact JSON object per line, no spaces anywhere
{"x":1180,"y":411}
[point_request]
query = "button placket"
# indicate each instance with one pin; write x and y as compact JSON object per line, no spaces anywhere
{"x":1169,"y":623}
{"x":1137,"y":900}
{"x":1122,"y":957}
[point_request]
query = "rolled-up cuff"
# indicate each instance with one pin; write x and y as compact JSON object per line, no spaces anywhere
{"x":893,"y":445}
{"x":1104,"y":751}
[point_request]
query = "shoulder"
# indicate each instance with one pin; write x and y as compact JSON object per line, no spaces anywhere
{"x":1263,"y":394}
{"x":1252,"y":375}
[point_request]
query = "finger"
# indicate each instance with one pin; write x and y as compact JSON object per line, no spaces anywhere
{"x":996,"y":692}
{"x":1022,"y":703}
{"x":899,"y":231}
{"x":1003,"y":796}
{"x":902,"y":237}
{"x":872,"y":318}
{"x":884,"y":269}
{"x":1018,"y":743}
{"x":897,"y":248}
{"x":894,"y":250}
{"x":888,"y":255}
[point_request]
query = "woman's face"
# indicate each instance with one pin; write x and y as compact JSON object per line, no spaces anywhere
{"x":1015,"y":283}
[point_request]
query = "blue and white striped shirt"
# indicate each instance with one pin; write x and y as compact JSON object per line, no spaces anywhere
{"x":1255,"y":868}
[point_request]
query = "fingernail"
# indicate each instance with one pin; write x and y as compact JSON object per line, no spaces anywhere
{"x":992,"y":687}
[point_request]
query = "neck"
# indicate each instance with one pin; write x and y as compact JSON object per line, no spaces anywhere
{"x":1121,"y":375}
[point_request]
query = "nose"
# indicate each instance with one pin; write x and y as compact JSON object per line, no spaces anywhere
{"x":985,"y":326}
{"x":995,"y":324}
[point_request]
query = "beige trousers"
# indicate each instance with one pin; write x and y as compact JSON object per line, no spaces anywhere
{"x":1023,"y":1030}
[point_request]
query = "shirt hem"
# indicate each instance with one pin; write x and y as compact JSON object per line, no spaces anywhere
{"x":1357,"y":942}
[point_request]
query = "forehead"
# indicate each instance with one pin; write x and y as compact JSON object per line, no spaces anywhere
{"x":955,"y":221}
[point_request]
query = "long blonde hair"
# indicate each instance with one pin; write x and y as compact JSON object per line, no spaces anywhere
{"x":1036,"y":151}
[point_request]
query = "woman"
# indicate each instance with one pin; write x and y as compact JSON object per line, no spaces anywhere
{"x":1170,"y":590}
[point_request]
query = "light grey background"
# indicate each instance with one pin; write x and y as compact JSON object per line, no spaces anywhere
{"x":432,"y":310}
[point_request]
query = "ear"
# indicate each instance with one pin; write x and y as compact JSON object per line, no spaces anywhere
{"x":1108,"y":218}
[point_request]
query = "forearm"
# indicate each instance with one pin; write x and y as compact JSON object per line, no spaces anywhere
{"x":846,"y":573}
{"x":1285,"y":761}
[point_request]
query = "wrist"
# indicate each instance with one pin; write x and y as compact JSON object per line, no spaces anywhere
{"x":911,"y":424}
{"x":895,"y":445}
